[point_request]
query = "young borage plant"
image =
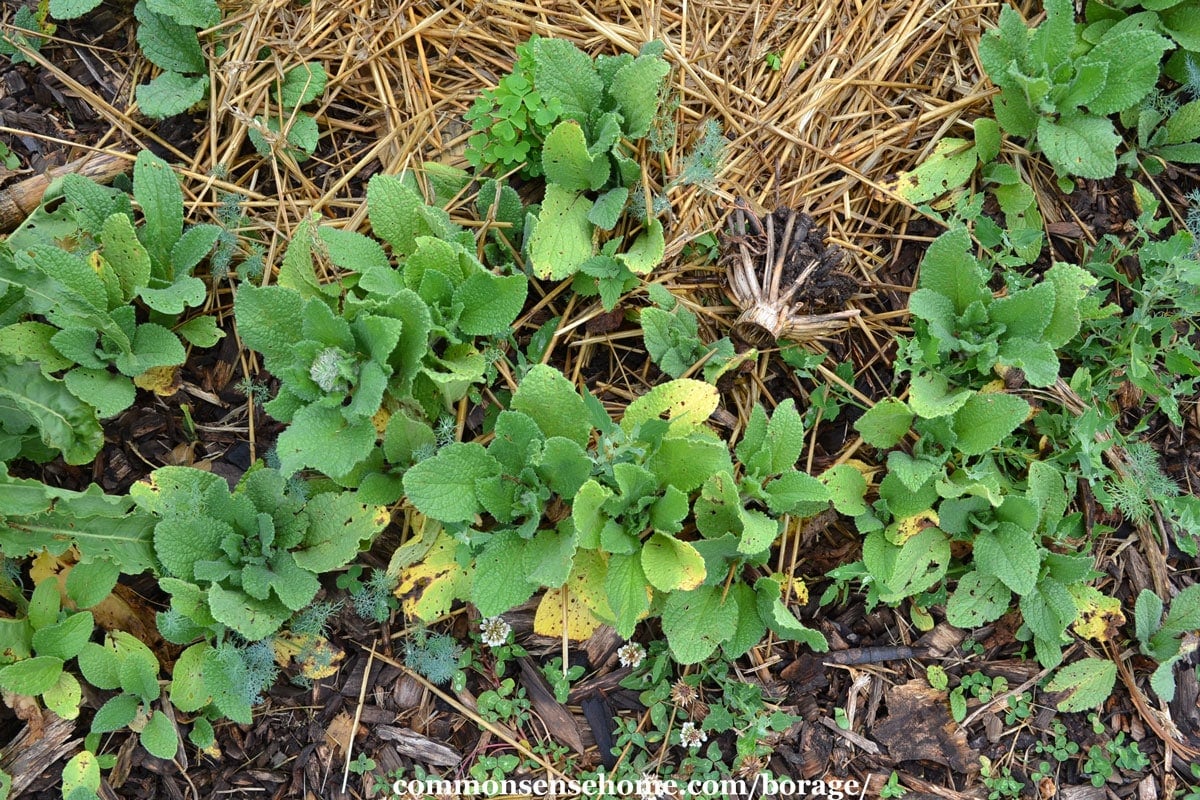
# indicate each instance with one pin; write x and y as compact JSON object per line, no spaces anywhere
{"x":71,"y":344}
{"x":621,"y":522}
{"x":366,"y":365}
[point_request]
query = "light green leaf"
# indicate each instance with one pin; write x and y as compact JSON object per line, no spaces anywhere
{"x":562,"y":239}
{"x":100,"y":666}
{"x":81,"y":773}
{"x":1081,"y":145}
{"x":201,"y":331}
{"x":397,"y":213}
{"x":563,"y":72}
{"x":321,"y":438}
{"x":606,"y":211}
{"x":492,"y":594}
{"x":886,"y":423}
{"x":777,"y":616}
{"x":647,"y":250}
{"x":171,"y":93}
{"x":1088,"y":683}
{"x":490,"y":303}
{"x":153,"y":346}
{"x":949,"y":166}
{"x":696,"y":622}
{"x":1132,"y":58}
{"x":443,"y":487}
{"x":551,"y":401}
{"x":797,"y":493}
{"x":156,"y":189}
{"x":251,"y":618}
{"x":339,"y":527}
{"x":72,"y":9}
{"x":1010,"y":554}
{"x":930,"y":397}
{"x":670,"y":564}
{"x":62,"y":421}
{"x":978,"y":600}
{"x":685,"y":403}
{"x":168,"y":44}
{"x":266,"y":321}
{"x":567,"y":163}
{"x":1036,"y":359}
{"x":913,"y":473}
{"x":685,"y":463}
{"x":108,"y":392}
{"x":159,"y":737}
{"x":302,"y":84}
{"x":1026,"y":312}
{"x":89,"y":582}
{"x":1071,"y":285}
{"x":125,"y":254}
{"x":846,"y":487}
{"x":628,"y":592}
{"x":750,"y":625}
{"x":987,"y":139}
{"x":31,"y":676}
{"x":30,"y":341}
{"x":549,"y":555}
{"x":197,"y":13}
{"x":986,"y":419}
{"x":635,"y":88}
{"x":115,"y":714}
{"x":65,"y":639}
{"x":189,"y":692}
{"x":950,"y":270}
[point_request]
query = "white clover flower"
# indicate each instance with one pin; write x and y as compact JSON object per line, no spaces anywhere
{"x":691,"y":736}
{"x":631,"y":654}
{"x":650,"y":787}
{"x":494,"y":631}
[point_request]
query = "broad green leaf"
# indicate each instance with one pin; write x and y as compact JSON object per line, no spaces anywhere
{"x":567,"y":163}
{"x":750,"y":625}
{"x":125,"y":254}
{"x":913,"y":473}
{"x":685,"y":463}
{"x":647,"y":250}
{"x":338,"y":528}
{"x":197,"y":13}
{"x":1132,"y":57}
{"x":168,"y":44}
{"x":978,"y":600}
{"x":428,"y":587}
{"x":930,"y":397}
{"x":797,"y":493}
{"x":1036,"y":359}
{"x":1071,"y":285}
{"x":1026,"y":312}
{"x":696,"y":622}
{"x":575,"y":610}
{"x":886,"y":423}
{"x":30,"y":341}
{"x":564,"y":73}
{"x":302,"y":84}
{"x":81,"y":774}
{"x":89,"y":582}
{"x":1010,"y":554}
{"x":785,"y":438}
{"x":606,"y":211}
{"x":684,"y":402}
{"x":635,"y":88}
{"x":32,"y":676}
{"x":397,"y":213}
{"x":562,"y":240}
{"x":171,"y":93}
{"x":986,"y":419}
{"x":628,"y":592}
{"x":497,"y":586}
{"x":1048,"y":610}
{"x":551,"y":401}
{"x":72,"y":9}
{"x":251,"y":618}
{"x":443,"y":487}
{"x":670,"y":564}
{"x":266,"y":320}
{"x":1081,"y":145}
{"x":564,"y":466}
{"x":117,"y":713}
{"x":65,"y":639}
{"x":758,"y":532}
{"x":549,"y":555}
{"x":62,"y":422}
{"x":189,"y":692}
{"x":846,"y":487}
{"x":321,"y":438}
{"x":156,"y":189}
{"x":1184,"y":614}
{"x":100,"y":666}
{"x":950,"y":270}
{"x":159,"y":737}
{"x":587,"y":513}
{"x":201,"y":331}
{"x":108,"y":392}
{"x":987,"y":139}
{"x":297,"y":271}
{"x":1087,"y":682}
{"x":490,"y":303}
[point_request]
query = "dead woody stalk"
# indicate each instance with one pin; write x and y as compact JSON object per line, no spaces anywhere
{"x":780,"y":271}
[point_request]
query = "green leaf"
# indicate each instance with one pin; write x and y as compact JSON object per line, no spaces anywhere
{"x":1184,"y":614}
{"x":1071,"y":285}
{"x":398,"y":214}
{"x":81,"y":774}
{"x":950,"y":270}
{"x":153,"y":346}
{"x":302,"y":84}
{"x":89,"y":582}
{"x":1025,"y":313}
{"x":647,"y":250}
{"x":156,"y":189}
{"x":562,"y":239}
{"x":1132,"y":58}
{"x":71,"y":9}
{"x":64,"y":697}
{"x":797,"y":493}
{"x":251,"y":618}
{"x":171,"y":93}
{"x":628,"y":592}
{"x":100,"y":666}
{"x":886,"y":423}
{"x":30,"y":341}
{"x":1088,"y":683}
{"x":1081,"y":145}
{"x":338,"y":528}
{"x":159,"y":737}
{"x":64,"y":639}
{"x":635,"y":88}
{"x":321,"y":438}
{"x":116,"y":714}
{"x":696,"y":622}
{"x":31,"y":676}
{"x":108,"y":392}
{"x":567,"y":163}
{"x":443,"y":487}
{"x":670,"y":564}
{"x":949,"y":166}
{"x":685,"y":403}
{"x":502,"y":552}
{"x":913,"y":473}
{"x":987,"y":139}
{"x":62,"y":421}
{"x":685,"y":463}
{"x":1010,"y":554}
{"x":197,"y":13}
{"x":606,"y":211}
{"x":126,"y":255}
{"x":549,"y":555}
{"x":201,"y":331}
{"x":986,"y":419}
{"x":490,"y":303}
{"x":168,"y":44}
{"x":780,"y":619}
{"x":1035,"y":359}
{"x":978,"y":600}
{"x":930,"y":397}
{"x":750,"y":625}
{"x":266,"y":321}
{"x":547,"y":397}
{"x":564,"y":73}
{"x":847,"y":487}
{"x":189,"y":690}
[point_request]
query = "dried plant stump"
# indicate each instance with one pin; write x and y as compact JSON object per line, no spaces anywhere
{"x":782,"y":275}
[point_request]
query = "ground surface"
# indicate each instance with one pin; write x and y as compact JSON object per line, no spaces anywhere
{"x":861,"y":91}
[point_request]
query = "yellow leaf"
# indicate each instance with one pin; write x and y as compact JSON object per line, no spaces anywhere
{"x":428,"y":587}
{"x":582,"y":598}
{"x":949,"y":166}
{"x":163,"y":381}
{"x":902,"y":530}
{"x":921,"y":619}
{"x":380,"y":420}
{"x":686,"y":403}
{"x":314,"y":656}
{"x":1100,"y":616}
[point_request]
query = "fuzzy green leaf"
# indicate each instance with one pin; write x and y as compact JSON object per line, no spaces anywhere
{"x":396,"y":212}
{"x":685,"y":463}
{"x":566,"y":161}
{"x":635,"y":88}
{"x":201,"y":331}
{"x":490,"y":303}
{"x":89,"y":582}
{"x":696,"y":622}
{"x":251,"y":618}
{"x":562,"y":240}
{"x":1071,"y":284}
{"x":302,"y":84}
{"x":886,"y":423}
{"x":985,"y":419}
{"x":949,"y":166}
{"x":115,"y":714}
{"x":978,"y":600}
{"x":339,"y":526}
{"x":125,"y":255}
{"x":628,"y":592}
{"x":1010,"y":554}
{"x":443,"y":486}
{"x":71,"y":9}
{"x":64,"y":639}
{"x":167,"y":43}
{"x":1026,"y":312}
{"x":779,"y":618}
{"x":950,"y":270}
{"x":930,"y":397}
{"x":1080,"y":145}
{"x":496,"y":586}
{"x":647,"y":250}
{"x":685,"y":403}
{"x":266,"y":318}
{"x":1034,"y":358}
{"x":28,"y":399}
{"x":670,"y":564}
{"x":30,"y":341}
{"x":606,"y":211}
{"x":108,"y":392}
{"x":547,"y":397}
{"x":153,"y":346}
{"x":321,"y":438}
{"x":1132,"y":58}
{"x":156,"y":189}
{"x":1088,"y":683}
{"x":31,"y":676}
{"x":171,"y":93}
{"x":159,"y":737}
{"x":564,"y":73}
{"x":846,"y":487}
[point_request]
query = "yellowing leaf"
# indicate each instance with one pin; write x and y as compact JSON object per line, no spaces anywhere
{"x":902,"y":530}
{"x":163,"y":381}
{"x":1100,"y":616}
{"x":579,"y":605}
{"x":428,"y":587}
{"x":315,"y":656}
{"x":686,"y":403}
{"x":949,"y":166}
{"x":380,"y":420}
